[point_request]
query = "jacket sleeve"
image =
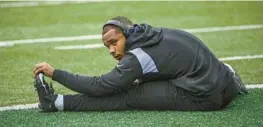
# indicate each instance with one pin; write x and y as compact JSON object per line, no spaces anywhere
{"x":119,"y":78}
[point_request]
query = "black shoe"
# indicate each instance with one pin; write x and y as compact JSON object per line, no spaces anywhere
{"x":46,"y":94}
{"x":243,"y":89}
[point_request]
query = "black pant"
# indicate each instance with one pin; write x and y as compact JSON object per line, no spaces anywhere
{"x":160,"y":95}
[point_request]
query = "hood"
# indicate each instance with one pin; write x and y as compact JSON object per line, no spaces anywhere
{"x":143,"y":35}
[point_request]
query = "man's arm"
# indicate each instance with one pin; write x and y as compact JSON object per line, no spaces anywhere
{"x":120,"y":78}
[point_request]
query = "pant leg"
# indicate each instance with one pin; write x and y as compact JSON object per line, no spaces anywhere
{"x":162,"y":95}
{"x":159,"y":95}
{"x":83,"y":102}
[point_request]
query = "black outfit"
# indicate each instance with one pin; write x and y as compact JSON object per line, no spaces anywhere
{"x":163,"y":69}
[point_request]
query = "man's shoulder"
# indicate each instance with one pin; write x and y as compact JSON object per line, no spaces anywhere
{"x":129,"y":61}
{"x":128,"y":58}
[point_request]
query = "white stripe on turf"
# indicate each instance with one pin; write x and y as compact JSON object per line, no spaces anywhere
{"x":98,"y":36}
{"x":40,"y":3}
{"x":241,"y":57}
{"x":6,"y":44}
{"x":94,"y":46}
{"x":35,"y":105}
{"x":255,"y":86}
{"x":56,"y":39}
{"x":88,"y":46}
{"x":18,"y":107}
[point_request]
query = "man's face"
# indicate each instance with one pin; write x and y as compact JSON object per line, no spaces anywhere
{"x":115,"y":41}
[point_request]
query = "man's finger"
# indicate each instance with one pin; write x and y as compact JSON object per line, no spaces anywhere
{"x":35,"y":69}
{"x":38,"y":70}
{"x":40,"y":65}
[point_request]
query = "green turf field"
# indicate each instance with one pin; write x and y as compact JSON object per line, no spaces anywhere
{"x":17,"y":62}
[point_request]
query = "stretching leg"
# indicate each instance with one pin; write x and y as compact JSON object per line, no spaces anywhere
{"x":160,"y":95}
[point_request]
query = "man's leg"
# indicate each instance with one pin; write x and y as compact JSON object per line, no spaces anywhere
{"x":82,"y":102}
{"x":160,"y":95}
{"x":151,"y":96}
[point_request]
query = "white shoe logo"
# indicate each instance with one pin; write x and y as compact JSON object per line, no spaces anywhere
{"x":119,"y":65}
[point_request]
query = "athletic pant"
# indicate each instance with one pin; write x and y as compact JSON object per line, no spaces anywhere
{"x":159,"y":95}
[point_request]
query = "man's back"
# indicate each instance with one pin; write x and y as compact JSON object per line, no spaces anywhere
{"x":182,"y":58}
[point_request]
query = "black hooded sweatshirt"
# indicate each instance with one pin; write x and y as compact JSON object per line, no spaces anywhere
{"x":155,"y":54}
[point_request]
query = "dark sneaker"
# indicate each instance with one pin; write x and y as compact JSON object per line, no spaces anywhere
{"x":46,"y":94}
{"x":243,"y":89}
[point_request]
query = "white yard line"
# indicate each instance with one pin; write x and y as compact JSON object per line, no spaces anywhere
{"x":35,"y":105}
{"x":55,"y":39}
{"x":241,"y":57}
{"x":98,"y":36}
{"x":41,"y":3}
{"x":254,"y":86}
{"x":227,"y":28}
{"x":88,"y":46}
{"x":19,"y":107}
{"x":94,"y":46}
{"x":6,"y":44}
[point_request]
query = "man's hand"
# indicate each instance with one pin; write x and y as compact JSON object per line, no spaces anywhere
{"x":45,"y":68}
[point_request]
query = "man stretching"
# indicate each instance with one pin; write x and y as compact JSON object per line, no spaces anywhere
{"x":158,"y":69}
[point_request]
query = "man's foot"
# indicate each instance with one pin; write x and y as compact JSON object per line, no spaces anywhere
{"x":243,"y":89}
{"x":46,"y":94}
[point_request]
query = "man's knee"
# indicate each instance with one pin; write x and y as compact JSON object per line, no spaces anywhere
{"x":101,"y":92}
{"x":152,"y":96}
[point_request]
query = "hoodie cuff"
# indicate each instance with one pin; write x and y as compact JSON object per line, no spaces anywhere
{"x":56,"y":74}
